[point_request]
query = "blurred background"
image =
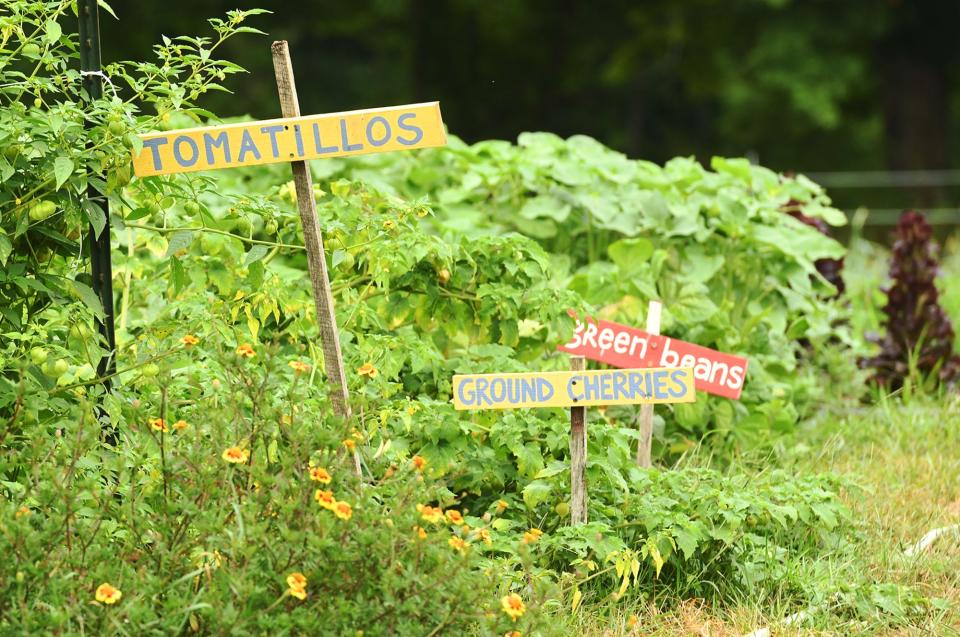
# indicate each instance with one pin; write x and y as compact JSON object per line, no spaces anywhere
{"x":861,"y":95}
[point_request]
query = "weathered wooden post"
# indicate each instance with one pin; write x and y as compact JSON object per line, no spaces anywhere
{"x":646,"y":411}
{"x":578,"y":454}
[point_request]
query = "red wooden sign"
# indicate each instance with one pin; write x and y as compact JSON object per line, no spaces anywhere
{"x":627,"y":347}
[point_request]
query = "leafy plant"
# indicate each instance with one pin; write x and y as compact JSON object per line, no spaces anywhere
{"x":919,"y":335}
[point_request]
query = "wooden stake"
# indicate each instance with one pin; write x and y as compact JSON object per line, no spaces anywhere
{"x":646,"y":411}
{"x":313,"y":240}
{"x":578,"y":455}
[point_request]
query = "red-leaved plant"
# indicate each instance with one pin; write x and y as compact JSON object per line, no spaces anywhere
{"x":919,"y":334}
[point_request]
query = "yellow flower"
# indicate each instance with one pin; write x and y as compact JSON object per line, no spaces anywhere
{"x":299,"y":593}
{"x":235,"y":455}
{"x":412,"y":409}
{"x":433,"y":515}
{"x":158,"y":424}
{"x":484,"y":535}
{"x":299,"y":367}
{"x":368,"y":370}
{"x":457,"y":544}
{"x":502,"y":506}
{"x":180,"y":425}
{"x":343,"y":510}
{"x":419,"y":462}
{"x":319,"y":474}
{"x":325,"y":499}
{"x":296,"y":580}
{"x":513,"y":606}
{"x":421,"y":533}
{"x":107,"y":594}
{"x":350,"y":444}
{"x":632,"y":621}
{"x":454,"y":516}
{"x":389,"y":224}
{"x":246,"y":350}
{"x":189,"y":340}
{"x":22,"y":511}
{"x":531,"y":536}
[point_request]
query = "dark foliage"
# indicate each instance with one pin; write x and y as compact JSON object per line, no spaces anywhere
{"x":830,"y":269}
{"x":916,"y":324}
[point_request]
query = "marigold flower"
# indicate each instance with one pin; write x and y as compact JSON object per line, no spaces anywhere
{"x":421,"y":533}
{"x":189,"y":340}
{"x":107,"y":594}
{"x":368,"y":370}
{"x":299,"y":593}
{"x":433,"y":515}
{"x":350,"y":444}
{"x":246,"y":350}
{"x":235,"y":455}
{"x":632,"y":621}
{"x":512,"y":633}
{"x":454,"y":516}
{"x":412,"y":409}
{"x":513,"y":606}
{"x":389,"y":472}
{"x":325,"y":499}
{"x":158,"y":424}
{"x":343,"y":510}
{"x":299,"y":367}
{"x":22,"y":511}
{"x":502,"y":506}
{"x":531,"y":536}
{"x":319,"y":474}
{"x":484,"y":535}
{"x":180,"y":425}
{"x":457,"y":544}
{"x":419,"y":462}
{"x":296,"y":580}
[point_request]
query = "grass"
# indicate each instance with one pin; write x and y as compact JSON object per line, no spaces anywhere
{"x":906,"y":457}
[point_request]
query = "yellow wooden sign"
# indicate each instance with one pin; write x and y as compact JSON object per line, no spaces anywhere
{"x":375,"y":130}
{"x":574,"y":389}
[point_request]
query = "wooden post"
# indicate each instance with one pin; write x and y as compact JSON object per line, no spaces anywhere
{"x":646,"y":411}
{"x":313,"y":240}
{"x":578,"y":455}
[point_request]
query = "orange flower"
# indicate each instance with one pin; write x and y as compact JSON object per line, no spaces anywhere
{"x":299,"y":593}
{"x":189,"y":340}
{"x":419,"y":462}
{"x":246,"y":350}
{"x":531,"y":536}
{"x":484,"y":535}
{"x":368,"y":370}
{"x":632,"y":621}
{"x":325,"y":499}
{"x":457,"y":544}
{"x":180,"y":425}
{"x":389,"y":472}
{"x":350,"y":444}
{"x":299,"y":367}
{"x":421,"y":533}
{"x":318,"y":474}
{"x":296,"y":580}
{"x":343,"y":510}
{"x":22,"y":511}
{"x":512,"y":633}
{"x":513,"y":606}
{"x":235,"y":455}
{"x":107,"y":594}
{"x":454,"y":516}
{"x":502,"y":506}
{"x":158,"y":424}
{"x":433,"y":515}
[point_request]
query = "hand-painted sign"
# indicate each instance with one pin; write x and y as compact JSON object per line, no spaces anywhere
{"x":623,"y":346}
{"x":573,"y":388}
{"x":374,"y":130}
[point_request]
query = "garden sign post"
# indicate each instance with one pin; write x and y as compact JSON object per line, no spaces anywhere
{"x":576,"y":389}
{"x":295,"y":139}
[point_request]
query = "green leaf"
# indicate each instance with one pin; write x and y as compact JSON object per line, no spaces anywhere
{"x":5,"y":248}
{"x":62,"y":169}
{"x":95,"y":215}
{"x":86,"y":294}
{"x":545,"y":206}
{"x":53,"y":31}
{"x":180,"y":240}
{"x":178,"y":276}
{"x":536,"y":493}
{"x":256,"y":253}
{"x":630,"y":254}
